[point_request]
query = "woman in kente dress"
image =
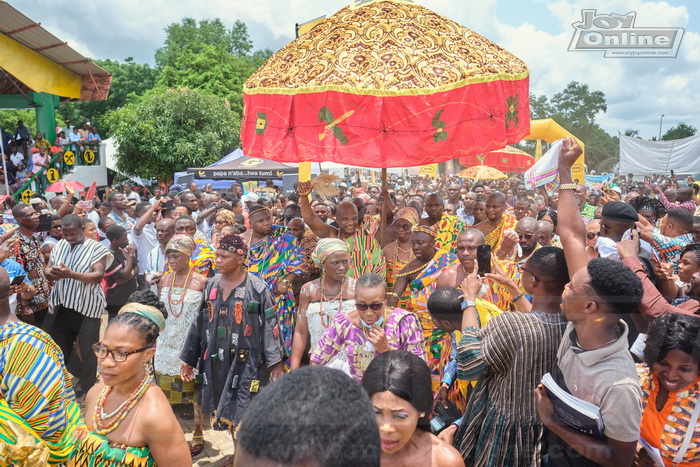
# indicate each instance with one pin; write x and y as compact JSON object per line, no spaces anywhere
{"x":130,"y":420}
{"x":235,"y":341}
{"x":399,"y":252}
{"x":323,"y":298}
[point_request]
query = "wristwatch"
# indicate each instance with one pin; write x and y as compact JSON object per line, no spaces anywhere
{"x":567,"y":186}
{"x":467,"y":303}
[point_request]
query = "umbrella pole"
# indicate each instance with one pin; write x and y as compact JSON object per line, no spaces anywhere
{"x":384,"y":213}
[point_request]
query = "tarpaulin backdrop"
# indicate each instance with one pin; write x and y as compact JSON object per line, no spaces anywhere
{"x":642,"y":157}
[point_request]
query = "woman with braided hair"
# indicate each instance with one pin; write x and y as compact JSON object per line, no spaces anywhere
{"x":650,"y":208}
{"x":130,"y":421}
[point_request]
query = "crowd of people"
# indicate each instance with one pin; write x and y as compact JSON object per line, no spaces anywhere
{"x":316,"y":334}
{"x":25,"y":153}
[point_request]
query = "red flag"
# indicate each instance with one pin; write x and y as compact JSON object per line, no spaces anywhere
{"x":91,"y":192}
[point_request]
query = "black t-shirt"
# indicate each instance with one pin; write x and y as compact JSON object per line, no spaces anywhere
{"x":118,"y":295}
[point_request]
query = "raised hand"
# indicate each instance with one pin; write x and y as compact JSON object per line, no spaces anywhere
{"x":569,"y":152}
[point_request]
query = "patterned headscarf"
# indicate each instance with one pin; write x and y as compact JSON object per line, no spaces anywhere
{"x":426,"y":229}
{"x":147,"y":311}
{"x":408,"y":214}
{"x":182,"y":243}
{"x":227,"y":216}
{"x":234,"y":243}
{"x":326,"y":247}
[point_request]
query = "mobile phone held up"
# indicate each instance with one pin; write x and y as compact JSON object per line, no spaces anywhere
{"x":17,"y":280}
{"x":483,"y":259}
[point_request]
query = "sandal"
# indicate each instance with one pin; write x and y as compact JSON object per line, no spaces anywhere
{"x":228,"y":462}
{"x":197,"y":445}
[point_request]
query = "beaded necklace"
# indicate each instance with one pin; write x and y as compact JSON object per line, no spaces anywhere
{"x":335,"y":297}
{"x":418,"y":269}
{"x":99,"y":417}
{"x":180,"y":301}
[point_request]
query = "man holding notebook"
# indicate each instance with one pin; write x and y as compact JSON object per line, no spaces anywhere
{"x":593,"y":361}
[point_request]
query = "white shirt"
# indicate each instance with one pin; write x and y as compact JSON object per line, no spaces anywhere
{"x":16,"y":158}
{"x":144,"y":242}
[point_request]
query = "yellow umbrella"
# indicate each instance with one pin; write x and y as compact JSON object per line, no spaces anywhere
{"x":481,"y":172}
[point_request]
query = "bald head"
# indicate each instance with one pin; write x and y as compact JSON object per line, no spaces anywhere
{"x":546,"y":232}
{"x":527,"y":223}
{"x":496,"y":197}
{"x":684,"y":194}
{"x":347,"y":217}
{"x":469,"y":234}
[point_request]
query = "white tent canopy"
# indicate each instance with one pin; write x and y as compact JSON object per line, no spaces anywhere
{"x":642,"y":157}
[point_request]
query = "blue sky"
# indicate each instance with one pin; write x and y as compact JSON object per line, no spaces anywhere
{"x":638,"y":90}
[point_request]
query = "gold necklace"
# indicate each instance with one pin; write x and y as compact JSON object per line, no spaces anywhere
{"x":418,"y":269}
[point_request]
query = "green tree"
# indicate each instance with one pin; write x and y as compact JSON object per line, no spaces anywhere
{"x":127,"y":78}
{"x":682,"y":130}
{"x":168,"y":130}
{"x":10,"y":117}
{"x":207,"y":56}
{"x":575,"y":109}
{"x":194,"y":36}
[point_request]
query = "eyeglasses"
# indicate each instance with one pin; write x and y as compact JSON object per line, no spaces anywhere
{"x":526,"y":236}
{"x":403,"y":226}
{"x":524,"y":269}
{"x":592,"y":235}
{"x":57,"y":226}
{"x":373,"y":306}
{"x":117,"y":355}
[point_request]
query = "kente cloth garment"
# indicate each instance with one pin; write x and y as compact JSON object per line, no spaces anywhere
{"x":371,"y":224}
{"x":494,"y":238}
{"x":232,"y":343}
{"x":177,"y":325}
{"x":509,"y":356}
{"x":438,"y":344}
{"x":203,"y":257}
{"x":272,"y":259}
{"x":447,"y":229}
{"x":402,"y":332}
{"x":545,"y":172}
{"x":35,"y":391}
{"x":317,"y":326}
{"x":176,"y":390}
{"x":365,"y":255}
{"x":28,"y":255}
{"x":499,"y":295}
{"x":588,"y":211}
{"x":665,"y":429}
{"x":393,"y":267}
{"x":96,"y":451}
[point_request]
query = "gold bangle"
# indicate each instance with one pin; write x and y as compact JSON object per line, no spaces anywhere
{"x":393,"y":294}
{"x":567,"y":186}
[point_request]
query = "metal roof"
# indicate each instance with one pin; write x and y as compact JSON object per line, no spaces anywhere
{"x":29,"y":33}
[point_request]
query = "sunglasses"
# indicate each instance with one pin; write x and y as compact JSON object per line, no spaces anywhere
{"x":526,"y":236}
{"x":524,"y":269}
{"x":365,"y":306}
{"x":118,"y":356}
{"x":592,"y":235}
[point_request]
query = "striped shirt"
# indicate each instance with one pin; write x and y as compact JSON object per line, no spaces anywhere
{"x":86,"y":299}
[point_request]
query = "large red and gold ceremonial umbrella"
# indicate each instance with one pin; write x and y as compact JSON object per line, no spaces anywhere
{"x":386,"y":83}
{"x":508,"y":159}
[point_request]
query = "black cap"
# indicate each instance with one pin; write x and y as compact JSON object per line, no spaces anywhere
{"x":619,"y":211}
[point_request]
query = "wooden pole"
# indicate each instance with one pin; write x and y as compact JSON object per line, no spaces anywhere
{"x":384,"y":213}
